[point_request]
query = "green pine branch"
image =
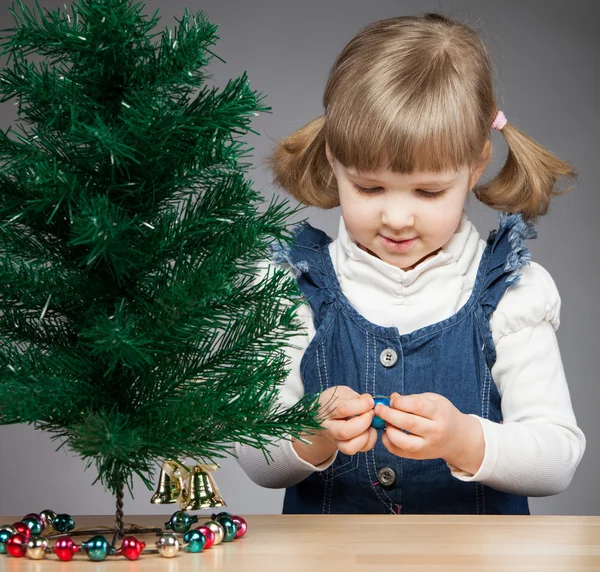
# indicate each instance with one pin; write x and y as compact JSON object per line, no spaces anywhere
{"x":135,"y":324}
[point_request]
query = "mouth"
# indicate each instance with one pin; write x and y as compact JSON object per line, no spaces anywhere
{"x":397,"y":245}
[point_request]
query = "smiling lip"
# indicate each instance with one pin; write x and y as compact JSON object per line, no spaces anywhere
{"x":397,"y":245}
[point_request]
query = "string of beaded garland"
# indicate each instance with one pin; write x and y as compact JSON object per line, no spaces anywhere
{"x":30,"y":537}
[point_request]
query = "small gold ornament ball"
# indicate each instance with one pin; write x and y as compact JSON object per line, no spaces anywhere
{"x":36,"y":548}
{"x":168,"y":545}
{"x":217,"y":529}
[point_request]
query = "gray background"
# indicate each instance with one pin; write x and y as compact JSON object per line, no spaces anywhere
{"x":545,"y":54}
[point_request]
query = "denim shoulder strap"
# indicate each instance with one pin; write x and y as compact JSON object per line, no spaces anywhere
{"x":504,"y":255}
{"x":305,"y":257}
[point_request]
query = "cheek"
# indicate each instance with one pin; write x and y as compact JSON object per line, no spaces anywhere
{"x":355,"y":208}
{"x":444,"y":217}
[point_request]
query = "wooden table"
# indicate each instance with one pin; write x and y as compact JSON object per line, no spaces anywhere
{"x":276,"y":543}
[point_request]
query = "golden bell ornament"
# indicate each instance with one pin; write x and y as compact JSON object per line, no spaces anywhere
{"x":203,"y":491}
{"x":169,"y":487}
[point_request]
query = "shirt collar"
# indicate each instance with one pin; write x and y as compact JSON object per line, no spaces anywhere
{"x":358,"y":264}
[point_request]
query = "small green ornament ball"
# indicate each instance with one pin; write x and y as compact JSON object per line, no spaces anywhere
{"x":63,"y":523}
{"x":97,"y":548}
{"x":180,"y":522}
{"x":5,"y":534}
{"x":194,"y":541}
{"x":228,"y":526}
{"x":34,"y":525}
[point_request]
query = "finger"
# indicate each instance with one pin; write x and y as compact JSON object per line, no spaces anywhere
{"x":415,"y":404}
{"x":392,"y":448}
{"x":399,"y":451}
{"x":372,"y":433}
{"x":348,"y":408}
{"x":346,"y":429}
{"x":332,"y":396}
{"x":402,"y":420}
{"x":411,"y":445}
{"x":353,"y":446}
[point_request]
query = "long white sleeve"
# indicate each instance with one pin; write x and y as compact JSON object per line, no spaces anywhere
{"x":537,"y":448}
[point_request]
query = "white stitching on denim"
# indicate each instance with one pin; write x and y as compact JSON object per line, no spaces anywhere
{"x":326,"y":485}
{"x":319,"y":369}
{"x":330,"y":497}
{"x":325,"y":366}
{"x":372,"y":480}
{"x":373,"y":392}
{"x":330,"y":471}
{"x":488,"y":387}
{"x":367,"y":363}
{"x":488,"y":377}
{"x":480,"y":498}
{"x":483,"y":498}
{"x":374,"y":361}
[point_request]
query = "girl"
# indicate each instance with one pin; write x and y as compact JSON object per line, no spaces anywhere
{"x":410,"y":303}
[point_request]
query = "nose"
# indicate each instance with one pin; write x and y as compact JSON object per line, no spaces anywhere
{"x":397,"y":215}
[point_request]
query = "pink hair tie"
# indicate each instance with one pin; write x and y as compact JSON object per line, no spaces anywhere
{"x":499,"y":122}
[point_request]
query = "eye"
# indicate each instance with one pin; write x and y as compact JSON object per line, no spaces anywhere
{"x":431,"y":194}
{"x":366,"y":190}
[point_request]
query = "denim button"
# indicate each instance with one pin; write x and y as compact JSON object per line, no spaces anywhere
{"x":388,"y":357}
{"x":386,"y":476}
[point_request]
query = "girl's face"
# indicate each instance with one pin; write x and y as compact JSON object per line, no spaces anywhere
{"x":402,"y":219}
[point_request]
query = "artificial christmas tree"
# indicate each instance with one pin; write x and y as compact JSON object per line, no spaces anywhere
{"x":133,"y":326}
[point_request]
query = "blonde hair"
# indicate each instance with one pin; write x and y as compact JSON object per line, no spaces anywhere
{"x":414,"y":94}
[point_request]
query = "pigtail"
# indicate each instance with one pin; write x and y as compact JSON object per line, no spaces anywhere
{"x":528,"y":179}
{"x":299,"y":165}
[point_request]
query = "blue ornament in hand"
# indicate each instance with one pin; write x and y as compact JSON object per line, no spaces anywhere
{"x":378,"y":422}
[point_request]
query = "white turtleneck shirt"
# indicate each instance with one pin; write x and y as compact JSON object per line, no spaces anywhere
{"x":537,"y":447}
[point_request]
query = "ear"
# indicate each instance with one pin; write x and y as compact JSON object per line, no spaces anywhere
{"x":482,"y":164}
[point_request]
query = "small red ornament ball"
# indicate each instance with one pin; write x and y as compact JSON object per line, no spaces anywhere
{"x":131,"y":547}
{"x":16,"y":545}
{"x":65,"y":548}
{"x":209,"y":534}
{"x":23,"y":529}
{"x":241,"y":526}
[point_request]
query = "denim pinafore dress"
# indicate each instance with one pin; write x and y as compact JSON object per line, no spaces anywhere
{"x":453,"y":358}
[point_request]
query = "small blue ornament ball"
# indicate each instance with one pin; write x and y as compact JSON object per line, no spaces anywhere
{"x":378,"y":422}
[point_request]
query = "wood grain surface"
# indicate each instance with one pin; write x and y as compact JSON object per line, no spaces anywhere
{"x":315,"y":543}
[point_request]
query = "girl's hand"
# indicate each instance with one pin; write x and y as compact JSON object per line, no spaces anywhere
{"x":347,"y":417}
{"x":437,"y":430}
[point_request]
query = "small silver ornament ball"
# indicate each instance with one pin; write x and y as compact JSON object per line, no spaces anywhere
{"x":168,"y":545}
{"x":36,"y":548}
{"x":47,"y":516}
{"x":217,"y":529}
